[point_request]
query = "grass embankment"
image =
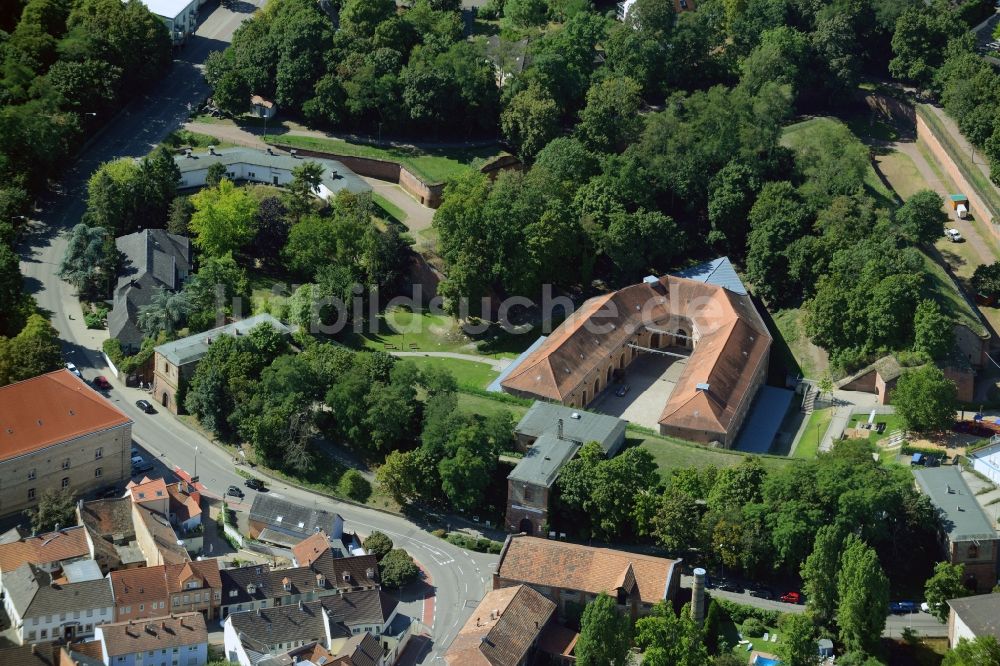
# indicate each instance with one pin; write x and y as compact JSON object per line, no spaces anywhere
{"x":669,"y":454}
{"x":812,"y":361}
{"x":808,"y":445}
{"x":394,"y":212}
{"x":430,"y":164}
{"x":468,"y":374}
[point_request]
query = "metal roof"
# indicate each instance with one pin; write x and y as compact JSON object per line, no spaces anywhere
{"x":719,"y":272}
{"x":579,"y":425}
{"x":192,"y":348}
{"x":336,"y":176}
{"x":981,"y":613}
{"x":495,"y":386}
{"x":962,"y":517}
{"x":541,"y":464}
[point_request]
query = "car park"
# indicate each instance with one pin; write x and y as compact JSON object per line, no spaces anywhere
{"x":254,"y":484}
{"x":75,"y":370}
{"x":234,"y":491}
{"x":791,"y":598}
{"x":101,"y":382}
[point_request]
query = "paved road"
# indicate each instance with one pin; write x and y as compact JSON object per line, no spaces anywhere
{"x":460,"y":578}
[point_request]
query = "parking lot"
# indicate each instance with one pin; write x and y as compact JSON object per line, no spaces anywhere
{"x":651,"y":379}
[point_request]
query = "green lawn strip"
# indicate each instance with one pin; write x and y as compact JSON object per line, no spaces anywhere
{"x":793,"y":342}
{"x":670,"y":453}
{"x":976,"y":178}
{"x":186,"y":139}
{"x":433,"y":165}
{"x":940,"y":287}
{"x":471,"y":374}
{"x":808,"y":445}
{"x":480,"y":404}
{"x":892,"y":423}
{"x":901,"y":173}
{"x":390,"y":209}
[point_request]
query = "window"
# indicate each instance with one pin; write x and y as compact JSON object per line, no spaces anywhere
{"x":177,"y":601}
{"x":44,"y":634}
{"x":90,"y":612}
{"x":31,"y":475}
{"x":187,"y":598}
{"x":973,"y":551}
{"x":65,"y":464}
{"x":34,"y":621}
{"x":31,"y":493}
{"x":65,"y":482}
{"x":142,"y":607}
{"x":99,"y":453}
{"x":529,"y":495}
{"x":31,"y":635}
{"x":98,"y":472}
{"x":76,"y":615}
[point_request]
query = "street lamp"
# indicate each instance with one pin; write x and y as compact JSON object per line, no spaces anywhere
{"x":195,"y":465}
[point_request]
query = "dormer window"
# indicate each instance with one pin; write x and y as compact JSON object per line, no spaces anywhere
{"x":233,"y":593}
{"x":278,"y":519}
{"x":286,"y":584}
{"x":370,"y":573}
{"x":251,"y":588}
{"x":347,"y":577}
{"x":320,"y":580}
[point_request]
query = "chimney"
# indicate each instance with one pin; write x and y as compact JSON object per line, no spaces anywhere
{"x":698,"y":596}
{"x":559,"y":433}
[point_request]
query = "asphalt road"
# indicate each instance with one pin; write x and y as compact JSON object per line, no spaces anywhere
{"x":459,"y":578}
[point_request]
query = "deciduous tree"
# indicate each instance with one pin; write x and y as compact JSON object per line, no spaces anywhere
{"x":948,"y":582}
{"x":862,"y":595}
{"x":224,"y":219}
{"x":605,"y":635}
{"x":925,"y":399}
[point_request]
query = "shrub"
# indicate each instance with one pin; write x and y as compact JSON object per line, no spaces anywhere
{"x":378,"y":544}
{"x":398,"y":569}
{"x":354,"y":486}
{"x":439,"y":533}
{"x":496,"y":547}
{"x":738,"y":612}
{"x":753,"y":627}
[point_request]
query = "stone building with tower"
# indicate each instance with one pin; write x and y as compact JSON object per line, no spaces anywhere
{"x":551,"y":435}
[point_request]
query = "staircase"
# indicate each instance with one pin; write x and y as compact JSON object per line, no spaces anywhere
{"x":809,"y":400}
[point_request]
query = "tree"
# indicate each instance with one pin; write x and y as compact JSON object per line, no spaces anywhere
{"x":215,"y":174}
{"x":55,"y":509}
{"x":819,"y":575}
{"x":672,"y":640}
{"x":933,"y":331}
{"x":361,"y":17}
{"x":986,"y":280}
{"x":12,"y":295}
{"x":377,"y":544}
{"x":605,"y":634}
{"x":948,"y":582}
{"x":355,"y":486}
{"x":179,"y":217}
{"x":464,"y":477}
{"x":398,"y":569}
{"x":610,"y":121}
{"x":777,"y":219}
{"x":677,"y":521}
{"x":798,"y":640}
{"x":530,"y":120}
{"x":89,"y":263}
{"x":33,"y":351}
{"x":921,"y":218}
{"x":223,"y":220}
{"x":863,"y":596}
{"x":919,"y":41}
{"x":525,"y":13}
{"x":167,"y":311}
{"x":925,"y":399}
{"x":783,"y":56}
{"x":980,"y":651}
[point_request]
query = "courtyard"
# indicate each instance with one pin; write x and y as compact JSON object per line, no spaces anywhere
{"x":651,"y":379}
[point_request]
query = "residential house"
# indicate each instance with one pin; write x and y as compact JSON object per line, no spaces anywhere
{"x":551,"y":435}
{"x":41,"y":608}
{"x":167,"y":519}
{"x":269,"y":167}
{"x":309,"y":549}
{"x":154,"y":259}
{"x":57,"y":432}
{"x":286,"y":524}
{"x":35,"y":654}
{"x":49,"y":552}
{"x":972,"y":617}
{"x":326,"y":575}
{"x":174,"y":363}
{"x":111,"y":531}
{"x":702,"y":315}
{"x":180,"y":17}
{"x":336,"y":623}
{"x":966,"y":533}
{"x":569,"y":573}
{"x":503,"y":630}
{"x":245,"y":589}
{"x":171,"y":640}
{"x":169,"y":588}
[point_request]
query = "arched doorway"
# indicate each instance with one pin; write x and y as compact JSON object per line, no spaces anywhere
{"x":621,"y":361}
{"x":655,"y":341}
{"x":597,"y":386}
{"x":526,"y":526}
{"x":166,"y":399}
{"x":584,"y":402}
{"x":610,"y":370}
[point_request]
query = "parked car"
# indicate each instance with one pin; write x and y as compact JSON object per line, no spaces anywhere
{"x":791,"y":598}
{"x":730,"y":586}
{"x":254,"y":484}
{"x":902,"y":607}
{"x":145,"y":406}
{"x":762,"y":593}
{"x":140,"y":464}
{"x":954,"y":235}
{"x":234,"y":491}
{"x":622,"y":390}
{"x":75,"y":370}
{"x":101,"y":382}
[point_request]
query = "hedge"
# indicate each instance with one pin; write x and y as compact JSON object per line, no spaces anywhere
{"x":480,"y":545}
{"x":740,"y":613}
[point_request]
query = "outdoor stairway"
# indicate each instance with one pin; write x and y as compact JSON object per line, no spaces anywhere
{"x":809,"y":400}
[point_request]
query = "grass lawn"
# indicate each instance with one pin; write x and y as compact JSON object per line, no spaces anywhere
{"x":731,"y":635}
{"x":940,"y":287}
{"x":478,"y":404}
{"x":808,"y":446}
{"x":435,"y":165}
{"x":390,"y":209}
{"x":813,"y":361}
{"x":185,"y":139}
{"x":672,"y":453}
{"x":467,"y":373}
{"x":901,"y":173}
{"x":892,"y":422}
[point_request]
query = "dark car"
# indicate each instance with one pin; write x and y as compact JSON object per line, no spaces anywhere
{"x":791,"y":598}
{"x":622,"y":390}
{"x":254,"y":484}
{"x":762,"y":593}
{"x":101,"y":382}
{"x":730,"y":586}
{"x":902,"y":607}
{"x":145,"y":406}
{"x":235,"y":492}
